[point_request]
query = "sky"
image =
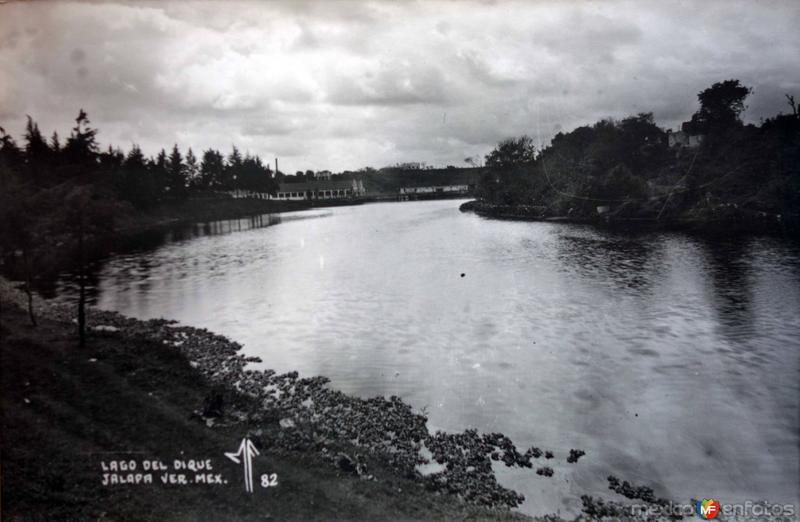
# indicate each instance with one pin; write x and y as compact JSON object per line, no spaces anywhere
{"x":343,"y":85}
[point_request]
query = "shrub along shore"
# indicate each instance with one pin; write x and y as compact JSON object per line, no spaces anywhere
{"x":725,"y":221}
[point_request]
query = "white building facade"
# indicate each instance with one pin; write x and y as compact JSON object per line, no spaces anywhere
{"x":320,"y":190}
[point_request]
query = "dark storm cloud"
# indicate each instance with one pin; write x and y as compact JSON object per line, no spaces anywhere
{"x":342,"y":85}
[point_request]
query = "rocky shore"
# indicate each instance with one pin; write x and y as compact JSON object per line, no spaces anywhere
{"x":314,"y":416}
{"x":369,"y":440}
{"x":304,"y":414}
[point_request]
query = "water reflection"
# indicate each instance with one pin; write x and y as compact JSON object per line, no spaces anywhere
{"x":671,"y":360}
{"x":138,"y":273}
{"x":728,"y":263}
{"x":610,"y":258}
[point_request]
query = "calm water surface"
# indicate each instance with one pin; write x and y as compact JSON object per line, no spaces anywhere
{"x":673,"y":361}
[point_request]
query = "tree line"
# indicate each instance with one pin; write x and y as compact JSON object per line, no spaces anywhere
{"x":60,"y":201}
{"x":630,"y":166}
{"x":142,"y":181}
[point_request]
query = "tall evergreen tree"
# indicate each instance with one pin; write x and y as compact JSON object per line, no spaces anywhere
{"x":55,"y":144}
{"x":176,"y":173}
{"x":37,"y":153}
{"x":55,"y":152}
{"x":10,"y":154}
{"x":80,"y":150}
{"x":82,"y":144}
{"x":137,"y":184}
{"x":192,"y":169}
{"x":233,"y":170}
{"x":255,"y":176}
{"x":158,"y":171}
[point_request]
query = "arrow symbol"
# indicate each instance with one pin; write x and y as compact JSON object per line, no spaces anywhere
{"x":244,"y":455}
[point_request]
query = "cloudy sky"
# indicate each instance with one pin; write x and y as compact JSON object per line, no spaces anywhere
{"x":343,"y":85}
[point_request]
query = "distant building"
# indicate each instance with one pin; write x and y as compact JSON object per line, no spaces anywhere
{"x":432,"y":191}
{"x":320,"y":189}
{"x":323,"y":174}
{"x":687,"y":137}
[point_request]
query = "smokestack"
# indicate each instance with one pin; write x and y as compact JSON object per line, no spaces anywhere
{"x":276,"y":166}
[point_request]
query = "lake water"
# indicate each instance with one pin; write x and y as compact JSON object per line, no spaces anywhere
{"x":674,"y":361}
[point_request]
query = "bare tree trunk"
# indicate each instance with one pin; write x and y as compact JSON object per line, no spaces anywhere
{"x":82,"y":286}
{"x":28,"y":290}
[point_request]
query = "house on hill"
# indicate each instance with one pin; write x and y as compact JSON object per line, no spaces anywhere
{"x":688,"y":136}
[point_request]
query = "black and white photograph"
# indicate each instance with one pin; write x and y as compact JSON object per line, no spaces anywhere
{"x":408,"y":260}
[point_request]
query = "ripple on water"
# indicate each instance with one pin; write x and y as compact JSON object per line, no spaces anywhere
{"x":698,"y":335}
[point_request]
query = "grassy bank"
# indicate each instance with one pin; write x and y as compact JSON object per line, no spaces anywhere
{"x":151,"y":390}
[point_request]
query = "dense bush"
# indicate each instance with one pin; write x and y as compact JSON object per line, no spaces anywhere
{"x":629,"y":166}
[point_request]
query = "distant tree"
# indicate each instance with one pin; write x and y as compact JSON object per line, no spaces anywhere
{"x":192,"y":169}
{"x":254,"y":175}
{"x":55,"y":153}
{"x":135,"y":158}
{"x":176,"y":173}
{"x":161,"y":160}
{"x":55,"y":145}
{"x":233,"y":169}
{"x":10,"y":154}
{"x":720,"y":107}
{"x":212,"y":169}
{"x":136,"y":183}
{"x":512,"y":152}
{"x":36,"y":145}
{"x":37,"y":153}
{"x":111,"y":159}
{"x":792,"y":104}
{"x":81,"y":147}
{"x":158,"y":171}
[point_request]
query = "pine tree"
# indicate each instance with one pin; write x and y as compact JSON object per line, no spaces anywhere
{"x":158,"y":172}
{"x":81,"y":147}
{"x":37,"y":153}
{"x":137,"y":185}
{"x":55,"y":152}
{"x":55,"y":145}
{"x":192,"y":169}
{"x":10,"y":155}
{"x":233,"y":170}
{"x":176,"y":173}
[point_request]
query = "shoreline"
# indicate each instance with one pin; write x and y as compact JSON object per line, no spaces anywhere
{"x":212,"y":207}
{"x":725,"y":225}
{"x":374,"y":450}
{"x":292,"y":414}
{"x":202,"y":209}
